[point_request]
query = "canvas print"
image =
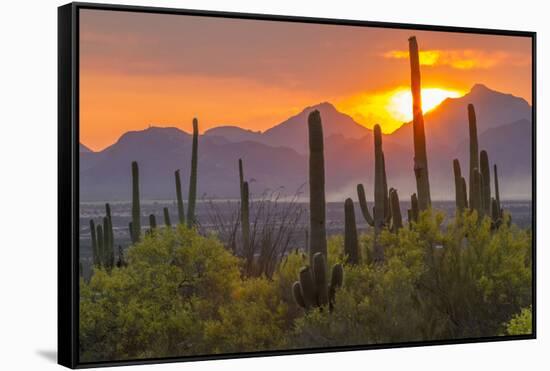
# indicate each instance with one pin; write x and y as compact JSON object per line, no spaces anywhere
{"x":268,"y":185}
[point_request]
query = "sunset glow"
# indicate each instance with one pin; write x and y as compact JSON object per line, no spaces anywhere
{"x":400,"y":102}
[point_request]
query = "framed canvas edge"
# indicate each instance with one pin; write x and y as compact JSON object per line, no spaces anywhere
{"x":68,"y":182}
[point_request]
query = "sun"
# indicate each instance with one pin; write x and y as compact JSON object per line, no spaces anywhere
{"x":400,"y":102}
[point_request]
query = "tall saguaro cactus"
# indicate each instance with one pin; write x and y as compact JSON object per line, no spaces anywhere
{"x":245,"y":226}
{"x":136,"y":209}
{"x":486,"y":184}
{"x":476,"y":200}
{"x":317,"y":211}
{"x":460,"y":189}
{"x":93,"y":236}
{"x":181,"y":209}
{"x":497,"y":192}
{"x":241,"y":175}
{"x":474,"y":150}
{"x":420,"y":155}
{"x":193,"y":176}
{"x":397,"y":220}
{"x":380,"y":185}
{"x":351,"y":243}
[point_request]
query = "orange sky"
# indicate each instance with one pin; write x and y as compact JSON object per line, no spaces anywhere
{"x":139,"y":69}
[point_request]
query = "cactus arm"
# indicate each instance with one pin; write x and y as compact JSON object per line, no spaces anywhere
{"x":363,"y":205}
{"x":497,"y":192}
{"x":486,"y":186}
{"x":308,"y":287}
{"x":297,"y":294}
{"x":93,"y":237}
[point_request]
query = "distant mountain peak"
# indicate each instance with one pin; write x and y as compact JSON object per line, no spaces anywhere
{"x":480,"y":88}
{"x":84,"y":149}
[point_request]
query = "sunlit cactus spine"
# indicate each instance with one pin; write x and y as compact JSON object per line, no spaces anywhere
{"x":351,"y":242}
{"x":313,"y":289}
{"x":179,"y":198}
{"x":396,"y":218}
{"x":167,"y":221}
{"x":420,"y":154}
{"x":136,"y":208}
{"x":317,"y":207}
{"x":460,"y":190}
{"x":191,"y":202}
{"x":486,"y":184}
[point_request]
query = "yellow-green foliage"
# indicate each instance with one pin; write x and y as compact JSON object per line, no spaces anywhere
{"x":521,"y":323}
{"x":183,"y":294}
{"x":437,"y":282}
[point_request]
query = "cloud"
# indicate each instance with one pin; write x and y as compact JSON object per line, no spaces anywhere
{"x":461,"y":59}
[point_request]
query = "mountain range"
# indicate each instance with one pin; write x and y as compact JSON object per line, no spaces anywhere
{"x":277,"y":158}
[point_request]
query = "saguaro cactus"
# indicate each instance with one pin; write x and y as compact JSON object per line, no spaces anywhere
{"x":109,"y":232}
{"x":474,"y":151}
{"x":241,"y":175}
{"x":317,"y":211}
{"x":460,"y":190}
{"x":100,"y":243}
{"x":497,"y":192}
{"x":313,"y":289}
{"x":136,"y":209}
{"x":108,"y":252}
{"x":363,"y":205}
{"x":420,"y":155}
{"x":245,"y":226}
{"x":486,"y":185}
{"x":152,"y":223}
{"x":167,"y":217}
{"x":476,"y":201}
{"x":181,"y":209}
{"x":193,"y":176}
{"x":351,"y":243}
{"x":414,"y":211}
{"x":380,"y":187}
{"x":397,"y":220}
{"x":93,"y":237}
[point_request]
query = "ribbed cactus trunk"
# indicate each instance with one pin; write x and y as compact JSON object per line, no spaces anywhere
{"x":93,"y":236}
{"x":379,"y":193}
{"x":317,"y":211}
{"x":108,"y":253}
{"x":364,"y":206}
{"x":245,"y":227}
{"x":397,"y":219}
{"x":181,"y":208}
{"x":136,"y":208}
{"x":111,"y":236}
{"x":351,"y":242}
{"x":474,"y":153}
{"x":420,"y":154}
{"x":486,"y":185}
{"x":167,"y":221}
{"x":460,"y":196}
{"x":193,"y":176}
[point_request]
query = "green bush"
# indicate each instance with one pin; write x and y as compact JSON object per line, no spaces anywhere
{"x":184,"y":294}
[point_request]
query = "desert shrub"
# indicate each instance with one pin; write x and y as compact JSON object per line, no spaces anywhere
{"x":521,"y":323}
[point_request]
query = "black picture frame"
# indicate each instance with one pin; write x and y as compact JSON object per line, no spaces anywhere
{"x":68,"y":179}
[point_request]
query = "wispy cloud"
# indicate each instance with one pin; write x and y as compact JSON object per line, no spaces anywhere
{"x":461,"y":59}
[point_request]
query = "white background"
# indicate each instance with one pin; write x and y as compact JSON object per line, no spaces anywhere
{"x":28,"y":170}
